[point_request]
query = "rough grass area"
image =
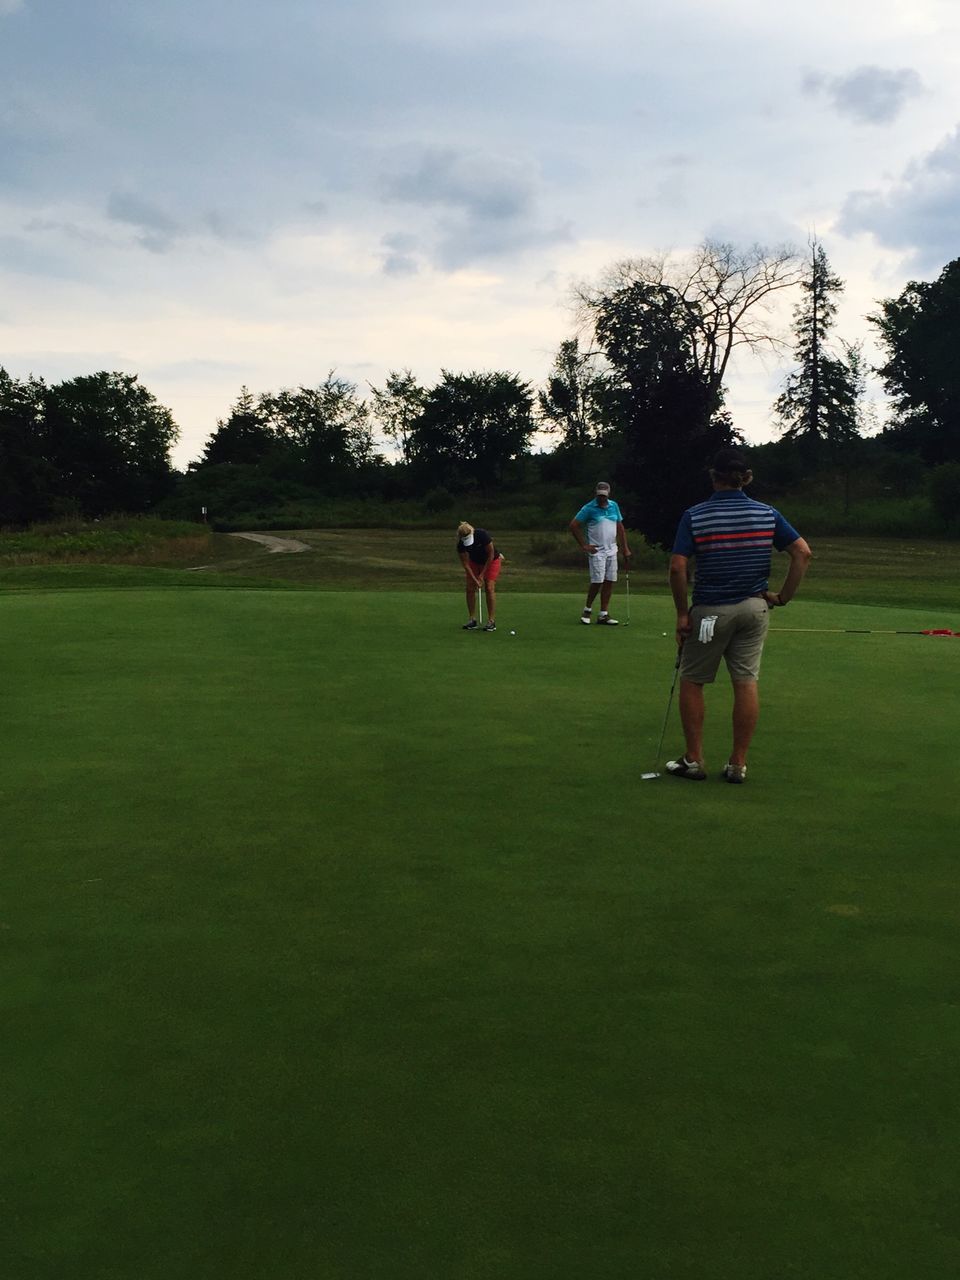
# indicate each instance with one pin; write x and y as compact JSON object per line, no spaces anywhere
{"x":909,"y":572}
{"x":861,"y":570}
{"x":336,"y":942}
{"x":110,"y":541}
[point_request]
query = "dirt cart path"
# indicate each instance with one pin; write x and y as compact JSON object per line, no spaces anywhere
{"x":274,"y":545}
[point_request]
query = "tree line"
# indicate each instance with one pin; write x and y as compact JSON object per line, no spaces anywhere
{"x":638,"y":390}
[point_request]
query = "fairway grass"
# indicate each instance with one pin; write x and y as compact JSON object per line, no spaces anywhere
{"x":339,"y":943}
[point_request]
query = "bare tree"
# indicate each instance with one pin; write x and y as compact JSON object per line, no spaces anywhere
{"x":727,"y":295}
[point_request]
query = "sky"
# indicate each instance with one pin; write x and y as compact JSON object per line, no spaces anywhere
{"x":219,"y":193}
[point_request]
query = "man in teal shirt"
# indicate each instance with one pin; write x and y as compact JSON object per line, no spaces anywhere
{"x":598,"y":528}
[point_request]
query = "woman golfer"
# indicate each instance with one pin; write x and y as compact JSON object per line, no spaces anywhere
{"x":481,"y":563}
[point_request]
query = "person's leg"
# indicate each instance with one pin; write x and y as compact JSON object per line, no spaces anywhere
{"x":490,"y":589}
{"x":471,"y":601}
{"x":746,"y":713}
{"x":692,"y":708}
{"x":743,"y":658}
{"x":592,"y":590}
{"x":606,"y":591}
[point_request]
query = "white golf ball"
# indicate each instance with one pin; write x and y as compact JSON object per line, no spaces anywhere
{"x":664,"y":633}
{"x":513,"y":633}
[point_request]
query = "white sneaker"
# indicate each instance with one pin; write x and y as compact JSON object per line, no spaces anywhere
{"x":586,"y":617}
{"x":684,"y":768}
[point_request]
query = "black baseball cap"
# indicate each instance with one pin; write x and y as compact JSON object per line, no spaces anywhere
{"x":727,"y":460}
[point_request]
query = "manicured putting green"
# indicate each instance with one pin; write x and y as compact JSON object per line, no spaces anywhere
{"x":340,"y":943}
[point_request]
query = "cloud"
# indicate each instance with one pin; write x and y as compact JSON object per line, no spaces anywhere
{"x":72,"y":231}
{"x":483,"y":206}
{"x":398,"y":259}
{"x":481,"y":186}
{"x":158,"y":231}
{"x":869,"y":95}
{"x":919,"y":214}
{"x":225,"y":229}
{"x":10,"y":6}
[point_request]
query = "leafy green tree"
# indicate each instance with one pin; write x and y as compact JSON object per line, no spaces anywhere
{"x":107,"y":441}
{"x":27,"y":481}
{"x":324,"y":430}
{"x":580,"y":401}
{"x":673,"y":419}
{"x":669,"y":327}
{"x":819,"y":403}
{"x":243,"y":438}
{"x":472,"y":428}
{"x":920,"y":330}
{"x":396,"y":407}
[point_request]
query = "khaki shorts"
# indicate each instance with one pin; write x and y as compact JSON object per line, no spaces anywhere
{"x":734,"y":632}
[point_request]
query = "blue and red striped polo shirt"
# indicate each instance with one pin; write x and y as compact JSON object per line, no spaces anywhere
{"x":732,"y":537}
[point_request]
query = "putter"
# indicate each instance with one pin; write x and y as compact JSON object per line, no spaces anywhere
{"x":627,"y":576}
{"x":480,"y":602}
{"x":645,"y":777}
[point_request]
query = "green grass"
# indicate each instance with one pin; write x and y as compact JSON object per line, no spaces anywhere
{"x":917,"y":573}
{"x":339,"y":943}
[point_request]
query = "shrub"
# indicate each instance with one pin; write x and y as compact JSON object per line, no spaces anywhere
{"x":437,"y":500}
{"x":945,"y":492}
{"x":115,"y":539}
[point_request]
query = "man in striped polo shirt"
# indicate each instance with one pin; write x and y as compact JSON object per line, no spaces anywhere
{"x":732,"y":537}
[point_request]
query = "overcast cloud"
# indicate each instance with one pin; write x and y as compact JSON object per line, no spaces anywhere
{"x":224,"y":192}
{"x":917,"y":215}
{"x":870,"y":95}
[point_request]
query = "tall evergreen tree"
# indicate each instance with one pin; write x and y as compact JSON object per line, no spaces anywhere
{"x":818,"y":405}
{"x":244,"y":437}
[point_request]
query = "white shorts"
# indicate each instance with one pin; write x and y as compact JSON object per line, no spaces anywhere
{"x":603,"y":565}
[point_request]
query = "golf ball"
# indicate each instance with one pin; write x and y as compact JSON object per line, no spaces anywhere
{"x":513,"y":633}
{"x":664,"y":633}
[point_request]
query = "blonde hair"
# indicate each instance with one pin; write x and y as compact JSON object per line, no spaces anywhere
{"x":464,"y":530}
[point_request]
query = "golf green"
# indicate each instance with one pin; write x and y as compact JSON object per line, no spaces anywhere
{"x":338,"y":942}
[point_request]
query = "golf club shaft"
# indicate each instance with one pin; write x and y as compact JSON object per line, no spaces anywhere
{"x":676,"y":672}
